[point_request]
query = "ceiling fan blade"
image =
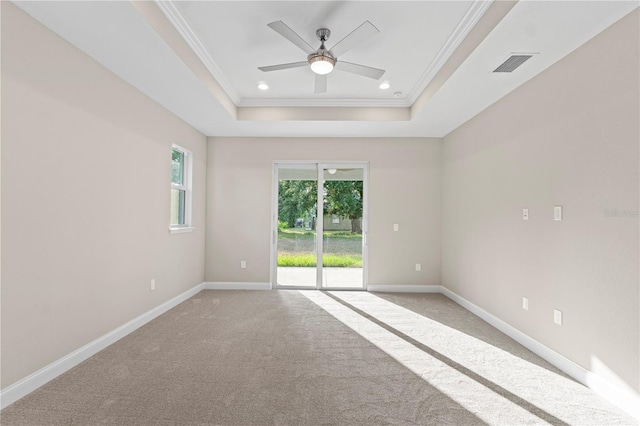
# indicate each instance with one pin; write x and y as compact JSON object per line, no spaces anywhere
{"x":284,"y":66}
{"x":321,"y":83}
{"x":357,"y":36}
{"x":362,"y":70}
{"x":286,"y":32}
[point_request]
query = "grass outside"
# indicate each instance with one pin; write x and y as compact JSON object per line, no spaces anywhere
{"x":296,"y":247}
{"x":304,"y":234}
{"x":328,"y":260}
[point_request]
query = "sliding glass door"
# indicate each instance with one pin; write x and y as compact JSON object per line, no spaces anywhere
{"x":320,"y":225}
{"x":342,"y":234}
{"x":297,"y":207}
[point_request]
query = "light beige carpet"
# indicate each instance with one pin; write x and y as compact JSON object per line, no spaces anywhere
{"x":314,"y":358}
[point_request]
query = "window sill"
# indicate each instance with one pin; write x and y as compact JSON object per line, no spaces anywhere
{"x":181,"y":230}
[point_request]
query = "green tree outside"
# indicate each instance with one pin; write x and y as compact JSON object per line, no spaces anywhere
{"x":297,"y":199}
{"x":343,"y":198}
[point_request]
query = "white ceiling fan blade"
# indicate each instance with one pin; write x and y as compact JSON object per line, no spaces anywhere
{"x":284,"y":66}
{"x":321,"y":83}
{"x":362,"y":70}
{"x":357,"y":36}
{"x":286,"y":32}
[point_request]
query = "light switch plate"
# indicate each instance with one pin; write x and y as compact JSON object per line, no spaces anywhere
{"x":525,"y":303}
{"x":396,"y":227}
{"x":557,"y":213}
{"x":557,"y":316}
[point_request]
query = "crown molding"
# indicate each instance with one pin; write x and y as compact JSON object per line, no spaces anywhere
{"x":324,"y":103}
{"x":466,"y":24}
{"x":323,"y":114}
{"x":177,"y":20}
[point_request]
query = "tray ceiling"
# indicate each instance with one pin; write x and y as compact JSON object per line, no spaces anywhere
{"x":200,"y":59}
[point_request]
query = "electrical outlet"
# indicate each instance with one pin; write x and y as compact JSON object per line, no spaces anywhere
{"x":153,"y":284}
{"x":525,"y":303}
{"x":557,"y":213}
{"x":557,"y":316}
{"x":418,"y":267}
{"x":525,"y":214}
{"x":243,"y":264}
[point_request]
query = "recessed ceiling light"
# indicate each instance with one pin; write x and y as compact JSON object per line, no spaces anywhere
{"x":263,"y":86}
{"x":385,"y":85}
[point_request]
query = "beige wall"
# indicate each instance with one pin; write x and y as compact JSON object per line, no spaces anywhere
{"x":404,"y":188}
{"x":85,"y":203}
{"x":85,"y":200}
{"x":568,"y":137}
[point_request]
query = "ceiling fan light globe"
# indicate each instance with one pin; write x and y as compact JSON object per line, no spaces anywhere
{"x":321,"y":64}
{"x":321,"y":67}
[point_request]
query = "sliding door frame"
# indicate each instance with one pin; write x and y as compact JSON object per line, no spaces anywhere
{"x":320,"y":167}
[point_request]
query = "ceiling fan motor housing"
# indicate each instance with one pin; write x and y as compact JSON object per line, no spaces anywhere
{"x":321,"y":55}
{"x":323,"y":34}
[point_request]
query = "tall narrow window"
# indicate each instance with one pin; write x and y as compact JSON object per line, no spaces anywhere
{"x":181,"y":161}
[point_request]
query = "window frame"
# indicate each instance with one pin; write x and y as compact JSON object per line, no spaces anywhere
{"x":187,"y":176}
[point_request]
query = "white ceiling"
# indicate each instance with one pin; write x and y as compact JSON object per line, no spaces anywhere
{"x":149,"y":45}
{"x":236,"y":35}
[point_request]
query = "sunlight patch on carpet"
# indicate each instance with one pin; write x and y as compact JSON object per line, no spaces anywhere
{"x":487,"y":405}
{"x":495,"y":385}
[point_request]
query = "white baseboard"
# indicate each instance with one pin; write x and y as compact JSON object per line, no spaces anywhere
{"x":236,"y":286}
{"x":404,"y":288}
{"x":622,"y":398}
{"x":14,"y":392}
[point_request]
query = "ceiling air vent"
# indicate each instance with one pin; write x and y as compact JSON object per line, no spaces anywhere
{"x":512,"y":62}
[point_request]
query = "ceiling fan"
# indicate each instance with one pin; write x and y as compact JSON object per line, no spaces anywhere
{"x":322,"y":61}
